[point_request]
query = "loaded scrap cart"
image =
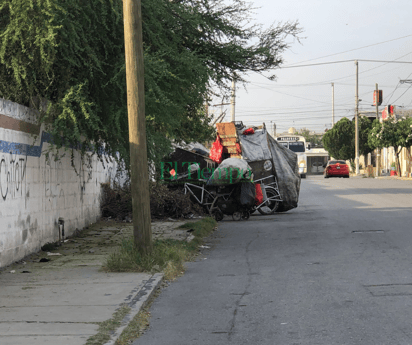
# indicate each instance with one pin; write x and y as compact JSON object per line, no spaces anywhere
{"x":274,"y":166}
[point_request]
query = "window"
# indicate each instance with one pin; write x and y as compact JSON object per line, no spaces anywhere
{"x":297,"y":146}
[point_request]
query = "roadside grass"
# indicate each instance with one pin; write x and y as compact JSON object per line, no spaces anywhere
{"x":139,"y":324}
{"x":168,"y":256}
{"x":107,"y":327}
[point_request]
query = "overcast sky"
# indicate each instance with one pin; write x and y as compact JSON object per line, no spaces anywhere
{"x":302,"y":97}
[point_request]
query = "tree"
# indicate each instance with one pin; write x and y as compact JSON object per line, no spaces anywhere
{"x":71,"y":53}
{"x":68,"y":53}
{"x":314,"y":139}
{"x":365,"y":126}
{"x":392,"y":132}
{"x":340,"y":140}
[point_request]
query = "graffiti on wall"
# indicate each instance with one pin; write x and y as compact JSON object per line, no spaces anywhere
{"x":85,"y":174}
{"x":53,"y":178}
{"x":12,"y":175}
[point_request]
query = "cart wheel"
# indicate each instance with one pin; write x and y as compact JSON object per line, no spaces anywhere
{"x":271,"y":205}
{"x":245,"y":215}
{"x":237,"y":216}
{"x":218,"y":215}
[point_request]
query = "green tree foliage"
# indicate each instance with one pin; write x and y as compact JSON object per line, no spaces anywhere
{"x":314,"y":139}
{"x":71,"y":53}
{"x":340,"y":140}
{"x":365,"y":126}
{"x":392,"y":132}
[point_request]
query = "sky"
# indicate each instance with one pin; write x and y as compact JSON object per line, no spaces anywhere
{"x":301,"y":97}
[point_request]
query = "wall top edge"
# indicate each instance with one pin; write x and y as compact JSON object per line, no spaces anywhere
{"x":18,"y":112}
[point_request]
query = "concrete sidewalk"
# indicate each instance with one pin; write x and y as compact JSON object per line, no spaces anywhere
{"x":64,"y":300}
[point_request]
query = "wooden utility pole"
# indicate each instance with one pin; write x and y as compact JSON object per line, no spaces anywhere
{"x":333,"y":104}
{"x":356,"y":120}
{"x":233,"y":100}
{"x":378,"y":151}
{"x":132,"y":16}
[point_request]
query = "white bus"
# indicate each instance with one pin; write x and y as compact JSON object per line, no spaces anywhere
{"x":297,"y":144}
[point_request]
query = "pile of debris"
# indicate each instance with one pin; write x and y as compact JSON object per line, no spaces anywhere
{"x":171,"y":203}
{"x":164,"y":203}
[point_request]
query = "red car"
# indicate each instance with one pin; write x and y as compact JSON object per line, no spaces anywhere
{"x":336,"y":168}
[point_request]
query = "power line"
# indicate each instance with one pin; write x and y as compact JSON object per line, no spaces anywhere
{"x":271,"y":113}
{"x":403,"y":93}
{"x":290,"y":112}
{"x":343,"y":61}
{"x":318,"y":64}
{"x":348,"y":76}
{"x":390,"y":96}
{"x":392,"y":61}
{"x":307,"y":120}
{"x":283,"y":93}
{"x":399,"y":83}
{"x":297,"y":115}
{"x":351,"y":50}
{"x":317,"y":84}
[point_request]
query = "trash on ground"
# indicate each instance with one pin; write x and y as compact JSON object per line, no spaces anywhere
{"x":50,"y":246}
{"x":190,"y":238}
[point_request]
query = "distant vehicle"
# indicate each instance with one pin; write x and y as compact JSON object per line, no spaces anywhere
{"x":297,"y":144}
{"x":336,"y":168}
{"x":317,"y":167}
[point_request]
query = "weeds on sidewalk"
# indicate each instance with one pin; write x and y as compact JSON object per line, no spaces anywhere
{"x":107,"y":327}
{"x":139,"y":324}
{"x":167,"y":255}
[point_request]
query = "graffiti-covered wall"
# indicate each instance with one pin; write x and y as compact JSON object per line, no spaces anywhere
{"x":35,"y":192}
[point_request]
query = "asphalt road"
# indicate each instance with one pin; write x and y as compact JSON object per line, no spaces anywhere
{"x":336,"y":270}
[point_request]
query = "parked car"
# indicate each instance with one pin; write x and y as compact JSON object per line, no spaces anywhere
{"x":336,"y":168}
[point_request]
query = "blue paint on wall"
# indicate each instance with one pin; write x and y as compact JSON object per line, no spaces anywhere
{"x":25,"y":149}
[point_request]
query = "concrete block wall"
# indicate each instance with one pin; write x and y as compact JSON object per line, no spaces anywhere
{"x":35,"y":191}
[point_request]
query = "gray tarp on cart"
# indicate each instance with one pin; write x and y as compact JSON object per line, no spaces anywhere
{"x":230,"y":171}
{"x":261,"y":146}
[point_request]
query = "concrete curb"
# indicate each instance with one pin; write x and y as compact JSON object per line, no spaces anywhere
{"x":137,"y":303}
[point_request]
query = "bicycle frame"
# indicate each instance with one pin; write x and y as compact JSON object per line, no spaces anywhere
{"x":208,"y":199}
{"x":270,"y":186}
{"x":273,"y":184}
{"x":275,"y":198}
{"x":203,"y":196}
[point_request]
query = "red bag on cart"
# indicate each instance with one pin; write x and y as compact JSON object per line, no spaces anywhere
{"x":259,"y":194}
{"x":248,"y":131}
{"x":216,"y":152}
